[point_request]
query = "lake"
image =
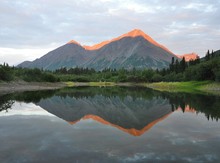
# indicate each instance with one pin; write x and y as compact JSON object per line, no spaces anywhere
{"x":109,"y":124}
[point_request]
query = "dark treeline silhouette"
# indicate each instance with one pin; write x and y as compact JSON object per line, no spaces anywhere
{"x":8,"y":73}
{"x":76,"y":71}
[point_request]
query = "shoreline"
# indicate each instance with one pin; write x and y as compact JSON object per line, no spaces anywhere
{"x":21,"y":86}
{"x":190,"y":87}
{"x":200,"y":87}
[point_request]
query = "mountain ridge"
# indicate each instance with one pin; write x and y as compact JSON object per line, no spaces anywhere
{"x":133,"y":33}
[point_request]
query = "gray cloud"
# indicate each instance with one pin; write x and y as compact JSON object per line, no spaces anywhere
{"x":182,"y":26}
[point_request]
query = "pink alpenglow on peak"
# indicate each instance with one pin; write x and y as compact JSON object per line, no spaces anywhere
{"x":188,"y":57}
{"x":138,"y":32}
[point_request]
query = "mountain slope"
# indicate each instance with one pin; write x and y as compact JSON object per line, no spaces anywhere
{"x":68,"y":55}
{"x":130,"y":52}
{"x":133,"y":49}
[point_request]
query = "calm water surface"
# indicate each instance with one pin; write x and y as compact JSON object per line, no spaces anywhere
{"x":109,"y":124}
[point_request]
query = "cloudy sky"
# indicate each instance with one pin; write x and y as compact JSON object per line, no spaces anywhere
{"x":31,"y":28}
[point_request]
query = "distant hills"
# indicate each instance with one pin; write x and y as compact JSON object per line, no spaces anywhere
{"x":134,"y":49}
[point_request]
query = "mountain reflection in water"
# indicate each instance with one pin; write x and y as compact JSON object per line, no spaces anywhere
{"x":133,"y":110}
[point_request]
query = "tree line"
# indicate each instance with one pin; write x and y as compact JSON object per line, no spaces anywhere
{"x":8,"y":73}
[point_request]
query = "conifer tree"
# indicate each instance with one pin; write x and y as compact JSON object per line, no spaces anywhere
{"x":207,"y":57}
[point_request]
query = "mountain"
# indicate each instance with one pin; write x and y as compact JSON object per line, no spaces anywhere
{"x":188,"y":57}
{"x":133,"y":49}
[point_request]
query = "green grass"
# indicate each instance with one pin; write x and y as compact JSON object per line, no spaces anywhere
{"x":69,"y":84}
{"x":101,"y":84}
{"x":192,"y":86}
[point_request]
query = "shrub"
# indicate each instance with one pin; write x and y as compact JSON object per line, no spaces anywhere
{"x":157,"y":78}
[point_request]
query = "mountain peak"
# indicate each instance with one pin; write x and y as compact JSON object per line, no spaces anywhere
{"x":133,"y":33}
{"x":136,"y":32}
{"x":74,"y":42}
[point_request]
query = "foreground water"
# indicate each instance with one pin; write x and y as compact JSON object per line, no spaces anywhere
{"x":112,"y":124}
